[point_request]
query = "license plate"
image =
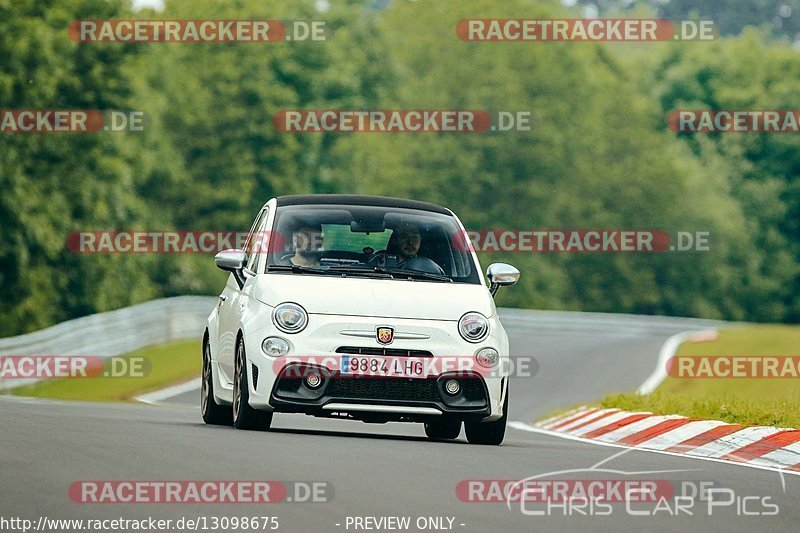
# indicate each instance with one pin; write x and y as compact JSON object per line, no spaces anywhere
{"x":378,"y":366}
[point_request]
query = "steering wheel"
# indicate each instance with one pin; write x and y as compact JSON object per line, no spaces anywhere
{"x":422,"y":264}
{"x":373,"y":257}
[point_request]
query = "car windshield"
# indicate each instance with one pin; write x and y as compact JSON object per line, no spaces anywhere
{"x":380,"y":242}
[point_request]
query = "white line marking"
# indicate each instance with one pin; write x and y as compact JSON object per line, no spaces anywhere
{"x":156,"y":397}
{"x":668,"y":350}
{"x":522,"y":426}
{"x":607,"y":459}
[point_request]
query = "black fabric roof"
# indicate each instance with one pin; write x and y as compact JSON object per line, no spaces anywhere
{"x":355,"y":199}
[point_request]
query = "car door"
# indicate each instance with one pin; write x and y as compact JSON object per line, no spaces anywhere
{"x":233,"y":299}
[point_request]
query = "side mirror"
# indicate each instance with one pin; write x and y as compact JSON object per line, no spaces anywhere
{"x":500,"y":274}
{"x":232,"y":261}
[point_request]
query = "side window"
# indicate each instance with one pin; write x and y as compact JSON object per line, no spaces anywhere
{"x":256,"y":241}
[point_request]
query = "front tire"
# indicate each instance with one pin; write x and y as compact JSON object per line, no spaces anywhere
{"x":244,"y":416}
{"x":212,"y":412}
{"x":443,"y":429}
{"x":488,"y":433}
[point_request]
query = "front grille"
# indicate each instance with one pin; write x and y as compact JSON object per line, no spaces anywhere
{"x":400,"y":389}
{"x":472,"y":389}
{"x":388,"y":352}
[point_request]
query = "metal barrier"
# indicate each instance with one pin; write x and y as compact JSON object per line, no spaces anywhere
{"x":184,"y":317}
{"x":115,"y":332}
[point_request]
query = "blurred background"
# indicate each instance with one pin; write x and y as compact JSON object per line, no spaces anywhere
{"x":599,"y":156}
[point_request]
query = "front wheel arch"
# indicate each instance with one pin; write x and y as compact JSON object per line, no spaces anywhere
{"x":212,"y":412}
{"x":245,"y":416}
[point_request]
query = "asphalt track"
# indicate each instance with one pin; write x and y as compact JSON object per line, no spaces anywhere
{"x":389,"y":469}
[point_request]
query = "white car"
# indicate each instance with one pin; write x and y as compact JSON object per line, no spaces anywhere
{"x":359,"y":307}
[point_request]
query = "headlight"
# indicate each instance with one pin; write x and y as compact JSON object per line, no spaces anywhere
{"x":290,"y":318}
{"x":275,"y":346}
{"x":474,"y":327}
{"x":487,"y":357}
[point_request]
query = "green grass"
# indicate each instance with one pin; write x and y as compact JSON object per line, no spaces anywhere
{"x":169,"y":363}
{"x":747,"y":401}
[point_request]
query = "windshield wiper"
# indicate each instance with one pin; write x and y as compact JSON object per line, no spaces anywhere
{"x":370,"y":272}
{"x":337,"y":270}
{"x":412,"y":274}
{"x":296,"y":269}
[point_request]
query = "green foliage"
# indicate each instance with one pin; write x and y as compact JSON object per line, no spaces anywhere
{"x":765,"y":410}
{"x":780,"y":17}
{"x":747,"y":401}
{"x":760,"y":170}
{"x":599,"y":155}
{"x":54,"y":184}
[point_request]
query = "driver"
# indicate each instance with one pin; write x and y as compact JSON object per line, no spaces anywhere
{"x":402,"y":250}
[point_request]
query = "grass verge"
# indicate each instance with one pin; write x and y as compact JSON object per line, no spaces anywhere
{"x":747,"y":401}
{"x":169,"y":364}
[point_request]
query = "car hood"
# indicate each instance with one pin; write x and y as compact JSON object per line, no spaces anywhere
{"x":390,"y":298}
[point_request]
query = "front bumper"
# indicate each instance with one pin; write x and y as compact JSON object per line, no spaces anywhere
{"x":382,"y":398}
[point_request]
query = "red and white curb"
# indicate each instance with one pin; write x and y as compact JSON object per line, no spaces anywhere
{"x":764,"y":446}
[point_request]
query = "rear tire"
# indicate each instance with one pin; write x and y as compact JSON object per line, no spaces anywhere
{"x":488,"y":433}
{"x":443,"y":430}
{"x":244,"y":416}
{"x":213,"y":413}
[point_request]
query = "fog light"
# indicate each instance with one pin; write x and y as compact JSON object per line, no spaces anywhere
{"x":451,"y":386}
{"x":275,"y":346}
{"x":313,"y":381}
{"x":487,"y":357}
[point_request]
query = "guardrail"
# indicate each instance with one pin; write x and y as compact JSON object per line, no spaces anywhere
{"x":115,"y":332}
{"x":171,"y":319}
{"x":589,"y":323}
